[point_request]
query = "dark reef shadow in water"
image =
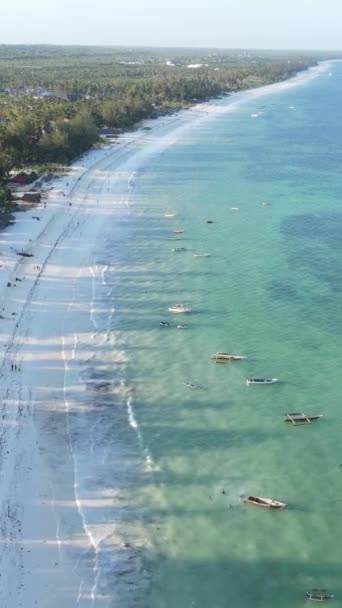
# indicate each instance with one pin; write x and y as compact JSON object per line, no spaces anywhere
{"x":314,"y":253}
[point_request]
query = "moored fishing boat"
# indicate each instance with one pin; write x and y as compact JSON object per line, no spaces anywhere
{"x":178,"y":308}
{"x":177,"y":249}
{"x":192,"y":385}
{"x":201,"y":255}
{"x":298,"y":418}
{"x":164,"y":324}
{"x":268,"y":503}
{"x":319,"y":595}
{"x":169,"y":214}
{"x":261,"y":380}
{"x":182,"y":326}
{"x":222,"y":357}
{"x":178,"y":231}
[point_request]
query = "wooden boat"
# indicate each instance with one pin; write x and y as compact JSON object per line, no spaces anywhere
{"x":319,"y":595}
{"x":210,"y":221}
{"x":224,"y":357}
{"x":178,"y":308}
{"x":192,"y":385}
{"x":177,"y":249}
{"x":261,"y":380}
{"x":268,"y":503}
{"x":24,"y":254}
{"x":299,"y":418}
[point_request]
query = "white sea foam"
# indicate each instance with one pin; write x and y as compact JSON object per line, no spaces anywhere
{"x":134,"y":424}
{"x":78,"y":501}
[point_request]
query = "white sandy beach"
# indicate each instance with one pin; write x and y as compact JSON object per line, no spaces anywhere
{"x":48,"y":553}
{"x":49,"y":549}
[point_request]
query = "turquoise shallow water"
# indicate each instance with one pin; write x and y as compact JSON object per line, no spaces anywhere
{"x":272,"y":290}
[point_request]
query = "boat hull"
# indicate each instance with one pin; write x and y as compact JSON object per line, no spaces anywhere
{"x":266,"y":503}
{"x":226,"y":357}
{"x":319,"y":596}
{"x":261,"y":381}
{"x":297,"y":419}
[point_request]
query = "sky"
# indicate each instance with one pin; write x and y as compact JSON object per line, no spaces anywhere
{"x":263,"y":24}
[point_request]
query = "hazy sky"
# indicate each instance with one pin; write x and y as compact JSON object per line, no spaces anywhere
{"x":299,"y":24}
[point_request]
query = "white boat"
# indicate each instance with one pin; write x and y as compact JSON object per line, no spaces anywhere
{"x":178,"y":231}
{"x":261,"y":380}
{"x":169,"y":214}
{"x":268,"y":503}
{"x":177,"y":308}
{"x":201,"y":255}
{"x":222,"y":357}
{"x":182,"y":326}
{"x":235,"y":208}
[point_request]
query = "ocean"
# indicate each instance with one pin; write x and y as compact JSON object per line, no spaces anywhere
{"x":175,"y":463}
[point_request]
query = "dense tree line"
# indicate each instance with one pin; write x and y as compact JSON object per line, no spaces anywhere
{"x":116,"y":88}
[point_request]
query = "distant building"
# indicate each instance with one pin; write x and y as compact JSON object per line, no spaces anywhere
{"x":61,"y":94}
{"x":173,"y":62}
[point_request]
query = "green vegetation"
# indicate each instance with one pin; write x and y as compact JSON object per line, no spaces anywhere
{"x":54,"y":99}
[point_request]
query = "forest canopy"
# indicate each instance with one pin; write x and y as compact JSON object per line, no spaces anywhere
{"x":54,"y":99}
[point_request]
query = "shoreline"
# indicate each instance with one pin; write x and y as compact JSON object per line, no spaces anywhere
{"x":144,"y":125}
{"x":48,"y":311}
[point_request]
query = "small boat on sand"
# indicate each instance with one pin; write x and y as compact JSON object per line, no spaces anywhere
{"x":224,"y":357}
{"x":319,"y":595}
{"x":298,"y":418}
{"x":164,"y":324}
{"x":178,"y":308}
{"x":261,"y":380}
{"x":24,"y":254}
{"x":268,"y":503}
